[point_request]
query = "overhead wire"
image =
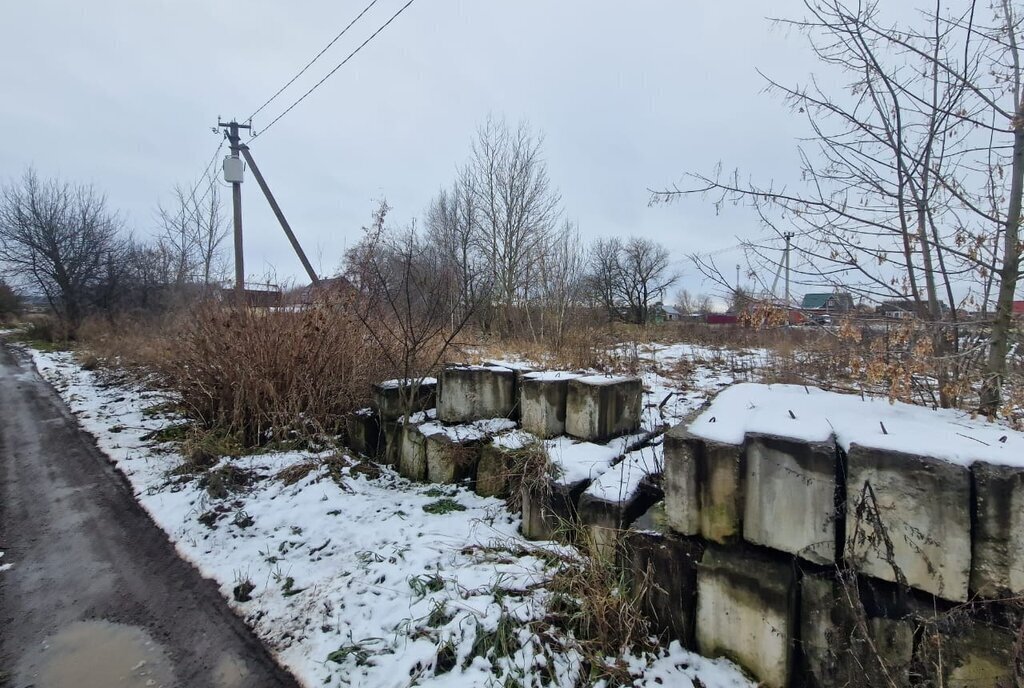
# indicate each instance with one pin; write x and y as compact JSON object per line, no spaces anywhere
{"x":332,"y":72}
{"x":311,"y":62}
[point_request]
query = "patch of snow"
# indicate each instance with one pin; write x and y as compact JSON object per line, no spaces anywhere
{"x":358,"y":571}
{"x":552,"y":375}
{"x":621,"y":483}
{"x":469,"y":432}
{"x":600,"y":380}
{"x":400,"y":382}
{"x":814,"y":415}
{"x":4,"y":567}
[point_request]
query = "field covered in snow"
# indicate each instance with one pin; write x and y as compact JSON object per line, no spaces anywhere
{"x":355,"y":576}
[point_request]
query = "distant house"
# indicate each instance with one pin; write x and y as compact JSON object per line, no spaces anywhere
{"x":827,"y":303}
{"x":329,"y":286}
{"x":906,"y":308}
{"x":1018,"y":309}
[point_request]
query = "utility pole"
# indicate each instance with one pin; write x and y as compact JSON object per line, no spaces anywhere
{"x":233,"y":174}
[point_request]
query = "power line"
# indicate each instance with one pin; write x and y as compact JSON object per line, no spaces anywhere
{"x":310,"y":63}
{"x":331,"y":73}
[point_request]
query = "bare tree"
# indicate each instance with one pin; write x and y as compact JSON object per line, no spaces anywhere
{"x":192,"y":231}
{"x":58,"y":238}
{"x":561,"y":274}
{"x":518,"y":208}
{"x":629,"y":277}
{"x":453,"y":227}
{"x":690,"y":303}
{"x":914,"y":174}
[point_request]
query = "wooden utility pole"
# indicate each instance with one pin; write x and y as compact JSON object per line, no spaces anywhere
{"x":787,"y":236}
{"x":236,"y":204}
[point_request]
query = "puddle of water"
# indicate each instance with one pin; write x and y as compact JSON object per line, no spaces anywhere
{"x":230,"y":672}
{"x":100,"y":654}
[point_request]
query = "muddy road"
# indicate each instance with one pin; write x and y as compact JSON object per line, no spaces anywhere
{"x":95,"y":595}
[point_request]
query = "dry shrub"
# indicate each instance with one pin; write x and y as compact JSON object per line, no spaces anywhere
{"x":141,"y":344}
{"x":271,"y":375}
{"x":529,"y":469}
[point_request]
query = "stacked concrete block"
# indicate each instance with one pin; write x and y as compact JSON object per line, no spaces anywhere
{"x":363,"y":433}
{"x":412,"y":454}
{"x":548,"y":512}
{"x":542,"y":402}
{"x":663,"y":569}
{"x":450,"y":461}
{"x":997,"y":566}
{"x":746,"y":611}
{"x":704,"y":486}
{"x":790,"y":497}
{"x":599,"y":408}
{"x":469,"y":393}
{"x":387,"y":397}
{"x":971,"y":656}
{"x":917,"y":507}
{"x":390,"y":442}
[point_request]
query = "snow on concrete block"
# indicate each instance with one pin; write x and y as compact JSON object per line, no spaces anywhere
{"x":997,"y":565}
{"x":542,"y":401}
{"x":664,"y":570}
{"x":599,"y":408}
{"x":469,"y":393}
{"x":790,"y":496}
{"x":746,"y":611}
{"x":450,"y":461}
{"x":387,"y":397}
{"x":919,"y":505}
{"x":412,"y":456}
{"x":363,"y":433}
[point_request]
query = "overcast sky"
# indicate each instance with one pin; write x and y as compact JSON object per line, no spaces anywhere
{"x":629,"y":95}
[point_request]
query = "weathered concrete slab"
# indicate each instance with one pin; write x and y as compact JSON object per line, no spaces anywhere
{"x":978,"y":656}
{"x":599,"y":408}
{"x":704,"y":486}
{"x":363,"y":433}
{"x":548,"y":514}
{"x":997,"y":565}
{"x":837,"y":650}
{"x":391,"y":439}
{"x":412,"y":461}
{"x":606,"y":520}
{"x":746,"y":611}
{"x":790,"y":496}
{"x":387,"y":397}
{"x":469,"y":393}
{"x":663,"y":569}
{"x":918,"y":507}
{"x":449,"y":461}
{"x":542,"y":402}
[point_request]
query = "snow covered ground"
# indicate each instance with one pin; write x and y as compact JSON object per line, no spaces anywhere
{"x":354,"y":576}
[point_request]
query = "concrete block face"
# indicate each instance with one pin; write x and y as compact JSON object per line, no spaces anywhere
{"x":980,"y":656}
{"x":997,"y":565}
{"x":923,"y":510}
{"x":387,"y":398}
{"x":448,"y":461}
{"x":542,"y":403}
{"x":363,"y":434}
{"x":746,"y":611}
{"x":664,"y":569}
{"x":469,"y":393}
{"x":599,"y":408}
{"x":492,"y":472}
{"x":790,"y":497}
{"x":546,"y":513}
{"x":412,"y":460}
{"x":391,"y":440}
{"x":720,"y":489}
{"x":682,"y":495}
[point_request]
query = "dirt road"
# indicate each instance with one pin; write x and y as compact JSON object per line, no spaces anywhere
{"x":96,"y":595}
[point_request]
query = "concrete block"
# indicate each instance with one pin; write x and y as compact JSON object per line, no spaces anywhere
{"x":469,"y":393}
{"x":834,"y":648}
{"x":546,"y":513}
{"x":606,"y":520}
{"x":363,"y":433}
{"x":704,"y":485}
{"x":391,"y":441}
{"x":600,"y":408}
{"x":412,"y":459}
{"x":978,"y":656}
{"x":923,"y":512}
{"x":663,"y":569}
{"x":492,"y":471}
{"x":997,"y":565}
{"x":449,"y":461}
{"x":542,"y":402}
{"x":790,"y":497}
{"x":746,"y":611}
{"x":387,"y":397}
